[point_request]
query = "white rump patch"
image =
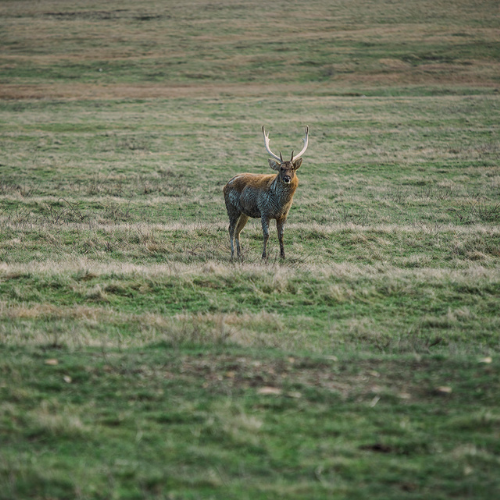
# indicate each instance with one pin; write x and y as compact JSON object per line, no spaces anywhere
{"x":233,"y":179}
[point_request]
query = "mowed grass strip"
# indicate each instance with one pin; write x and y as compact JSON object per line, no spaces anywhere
{"x":374,"y":307}
{"x":406,"y":246}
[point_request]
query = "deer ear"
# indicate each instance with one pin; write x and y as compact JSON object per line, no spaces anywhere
{"x":274,"y":165}
{"x":297,"y":164}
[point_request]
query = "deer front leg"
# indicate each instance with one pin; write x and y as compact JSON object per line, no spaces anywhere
{"x":280,"y":225}
{"x":265,"y":232}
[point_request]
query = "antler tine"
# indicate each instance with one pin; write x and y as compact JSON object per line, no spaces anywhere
{"x":291,"y":159}
{"x":266,"y":141}
{"x":306,"y":142}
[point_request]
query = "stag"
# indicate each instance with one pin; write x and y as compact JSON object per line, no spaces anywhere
{"x":263,"y":196}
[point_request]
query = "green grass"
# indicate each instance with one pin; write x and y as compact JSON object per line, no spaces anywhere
{"x":238,"y":42}
{"x":204,"y":423}
{"x":138,"y":361}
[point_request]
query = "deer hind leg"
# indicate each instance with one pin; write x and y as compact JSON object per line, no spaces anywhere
{"x":243,"y":219}
{"x":265,"y":233}
{"x":233,"y":219}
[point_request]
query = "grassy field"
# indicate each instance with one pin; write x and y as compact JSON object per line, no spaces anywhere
{"x":138,"y":361}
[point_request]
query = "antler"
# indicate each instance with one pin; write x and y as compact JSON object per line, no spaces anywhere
{"x":306,"y":142}
{"x":280,"y":158}
{"x":266,"y":140}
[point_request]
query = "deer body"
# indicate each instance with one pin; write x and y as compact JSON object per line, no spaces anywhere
{"x":256,"y":195}
{"x":262,"y":196}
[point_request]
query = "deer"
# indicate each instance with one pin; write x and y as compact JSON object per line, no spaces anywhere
{"x":263,"y":196}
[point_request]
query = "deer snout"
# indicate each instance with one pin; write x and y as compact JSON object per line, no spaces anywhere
{"x":287,"y":179}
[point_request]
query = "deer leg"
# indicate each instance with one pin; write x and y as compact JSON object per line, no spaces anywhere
{"x":239,"y":226}
{"x":280,"y":225}
{"x":265,"y":232}
{"x":232,"y":226}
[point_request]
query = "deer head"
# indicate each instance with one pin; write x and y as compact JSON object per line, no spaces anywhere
{"x":286,"y":169}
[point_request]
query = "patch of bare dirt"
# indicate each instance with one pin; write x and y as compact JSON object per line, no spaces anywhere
{"x":140,"y":91}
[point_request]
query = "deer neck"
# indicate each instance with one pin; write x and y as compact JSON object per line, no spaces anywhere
{"x":282,"y":190}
